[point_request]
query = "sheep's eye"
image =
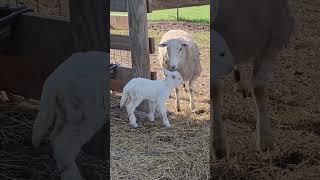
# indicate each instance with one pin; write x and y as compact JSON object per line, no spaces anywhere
{"x":173,"y":77}
{"x":179,"y":78}
{"x":166,"y":62}
{"x":222,"y":54}
{"x":180,"y":49}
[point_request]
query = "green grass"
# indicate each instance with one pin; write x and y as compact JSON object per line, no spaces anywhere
{"x":195,"y":14}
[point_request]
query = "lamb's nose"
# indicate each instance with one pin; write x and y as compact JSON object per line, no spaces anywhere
{"x":173,"y":67}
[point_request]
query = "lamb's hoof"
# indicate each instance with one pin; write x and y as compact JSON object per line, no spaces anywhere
{"x":178,"y":109}
{"x":134,"y":125}
{"x":167,"y":125}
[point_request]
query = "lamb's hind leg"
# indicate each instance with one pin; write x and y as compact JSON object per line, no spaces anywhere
{"x":264,"y":131}
{"x":133,"y":104}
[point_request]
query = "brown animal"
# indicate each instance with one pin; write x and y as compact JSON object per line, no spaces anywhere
{"x":246,"y":31}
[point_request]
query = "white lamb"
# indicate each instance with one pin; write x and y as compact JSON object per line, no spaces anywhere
{"x":73,"y":100}
{"x":179,"y":52}
{"x":155,"y":91}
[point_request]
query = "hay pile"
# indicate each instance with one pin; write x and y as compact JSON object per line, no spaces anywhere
{"x":18,"y":158}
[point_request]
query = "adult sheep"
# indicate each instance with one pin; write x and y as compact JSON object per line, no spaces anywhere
{"x":178,"y":51}
{"x":254,"y":32}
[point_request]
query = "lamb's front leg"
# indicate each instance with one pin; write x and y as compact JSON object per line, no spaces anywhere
{"x":163,"y":112}
{"x":177,"y":100}
{"x":152,"y":110}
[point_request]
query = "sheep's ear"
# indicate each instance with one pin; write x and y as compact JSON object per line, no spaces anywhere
{"x":164,"y":44}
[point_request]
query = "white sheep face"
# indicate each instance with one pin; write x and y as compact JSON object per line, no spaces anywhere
{"x":177,"y":53}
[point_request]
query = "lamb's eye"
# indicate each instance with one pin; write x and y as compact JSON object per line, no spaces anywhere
{"x":166,"y":62}
{"x":180,"y":50}
{"x":173,"y":77}
{"x":179,"y":78}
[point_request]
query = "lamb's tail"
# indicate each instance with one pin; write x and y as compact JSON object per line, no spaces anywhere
{"x":45,"y":115}
{"x":125,"y":99}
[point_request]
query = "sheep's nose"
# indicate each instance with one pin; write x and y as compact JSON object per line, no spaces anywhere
{"x":173,"y":67}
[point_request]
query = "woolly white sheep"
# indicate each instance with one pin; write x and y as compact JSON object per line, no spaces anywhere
{"x":155,"y":91}
{"x":178,"y":51}
{"x":72,"y":96}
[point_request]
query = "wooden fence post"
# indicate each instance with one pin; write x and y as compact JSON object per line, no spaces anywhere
{"x":90,"y":32}
{"x":138,"y":32}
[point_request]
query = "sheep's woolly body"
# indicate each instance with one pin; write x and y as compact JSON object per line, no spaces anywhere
{"x":191,"y":68}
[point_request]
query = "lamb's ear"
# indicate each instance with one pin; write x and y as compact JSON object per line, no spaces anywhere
{"x":166,"y":72}
{"x":164,"y":44}
{"x":185,"y":44}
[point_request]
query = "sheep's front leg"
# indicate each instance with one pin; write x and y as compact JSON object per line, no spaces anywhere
{"x":263,"y":126}
{"x":163,"y":112}
{"x":177,"y":100}
{"x":222,"y":64}
{"x":217,"y":126}
{"x":152,"y":110}
{"x":191,"y":91}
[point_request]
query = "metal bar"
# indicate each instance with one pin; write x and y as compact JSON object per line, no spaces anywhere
{"x":14,"y":14}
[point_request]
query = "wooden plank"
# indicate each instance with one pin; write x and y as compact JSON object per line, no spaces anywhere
{"x":119,"y":21}
{"x":90,"y":30}
{"x":139,"y":42}
{"x":24,"y":75}
{"x":33,"y":32}
{"x":118,"y":5}
{"x":168,"y":4}
{"x":89,"y":26}
{"x":122,"y":5}
{"x":122,"y":42}
{"x":123,"y":76}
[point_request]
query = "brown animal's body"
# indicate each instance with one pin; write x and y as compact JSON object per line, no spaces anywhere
{"x":246,"y":31}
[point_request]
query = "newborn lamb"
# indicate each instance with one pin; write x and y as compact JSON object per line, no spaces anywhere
{"x":155,"y":91}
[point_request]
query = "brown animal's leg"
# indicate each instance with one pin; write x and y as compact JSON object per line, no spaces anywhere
{"x":264,"y":131}
{"x":218,"y":134}
{"x":177,"y":100}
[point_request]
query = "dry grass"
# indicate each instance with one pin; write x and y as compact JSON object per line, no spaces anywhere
{"x":152,"y":151}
